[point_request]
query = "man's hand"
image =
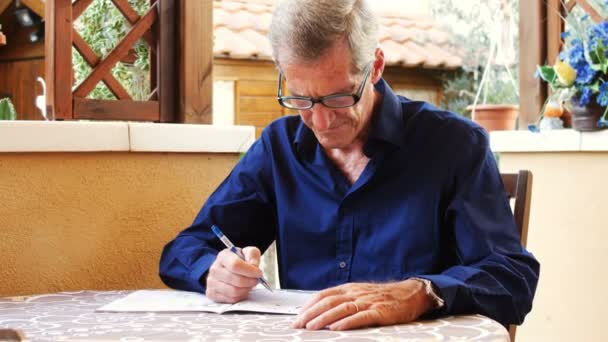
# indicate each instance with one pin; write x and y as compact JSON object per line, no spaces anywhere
{"x":230,"y":279}
{"x":357,"y":305}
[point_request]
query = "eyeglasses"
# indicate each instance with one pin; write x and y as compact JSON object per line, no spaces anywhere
{"x":341,"y":100}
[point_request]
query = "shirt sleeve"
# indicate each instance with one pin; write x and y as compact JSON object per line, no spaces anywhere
{"x":242,"y":206}
{"x":495,"y":275}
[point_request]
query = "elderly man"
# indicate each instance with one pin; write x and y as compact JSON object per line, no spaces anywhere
{"x":393,"y":208}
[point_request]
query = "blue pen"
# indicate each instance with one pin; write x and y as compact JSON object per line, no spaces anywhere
{"x":216,"y":230}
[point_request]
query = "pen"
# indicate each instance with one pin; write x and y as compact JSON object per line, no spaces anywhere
{"x":216,"y":230}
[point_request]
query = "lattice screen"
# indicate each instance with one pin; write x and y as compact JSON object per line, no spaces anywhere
{"x":68,"y":101}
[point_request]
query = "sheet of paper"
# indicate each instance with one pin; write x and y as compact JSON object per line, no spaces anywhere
{"x":279,"y":301}
{"x":164,"y":301}
{"x":260,"y":300}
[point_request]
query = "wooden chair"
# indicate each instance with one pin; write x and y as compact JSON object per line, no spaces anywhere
{"x":518,"y":187}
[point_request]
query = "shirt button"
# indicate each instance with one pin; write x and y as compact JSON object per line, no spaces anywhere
{"x":342,"y":264}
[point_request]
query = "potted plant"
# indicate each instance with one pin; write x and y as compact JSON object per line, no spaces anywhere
{"x":498,"y":110}
{"x":488,"y":28}
{"x":579,"y":79}
{"x":498,"y":90}
{"x":7,"y":110}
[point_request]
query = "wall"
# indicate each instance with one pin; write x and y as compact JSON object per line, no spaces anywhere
{"x":568,"y":234}
{"x":73,"y":221}
{"x":255,"y":91}
{"x":223,"y":97}
{"x":415,"y":84}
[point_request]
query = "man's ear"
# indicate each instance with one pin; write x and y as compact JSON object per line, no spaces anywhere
{"x":378,"y":65}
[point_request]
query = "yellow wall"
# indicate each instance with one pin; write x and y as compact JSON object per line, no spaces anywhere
{"x":568,"y":233}
{"x":73,"y":221}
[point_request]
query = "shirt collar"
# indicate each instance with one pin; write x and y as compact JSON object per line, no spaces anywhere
{"x":388,"y":119}
{"x":386,"y":125}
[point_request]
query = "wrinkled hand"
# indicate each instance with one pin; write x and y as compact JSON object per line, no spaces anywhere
{"x":357,"y":305}
{"x":230,"y":279}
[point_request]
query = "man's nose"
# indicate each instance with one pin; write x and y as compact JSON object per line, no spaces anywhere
{"x":322,"y":117}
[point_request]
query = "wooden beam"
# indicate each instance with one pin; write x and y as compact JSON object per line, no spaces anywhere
{"x":132,"y":17}
{"x":596,"y":17}
{"x":153,"y":57}
{"x":533,"y":52}
{"x":20,"y":51}
{"x":89,"y":109}
{"x":570,"y":5}
{"x":126,"y":10}
{"x":196,"y":62}
{"x":166,"y":54}
{"x":2,"y":39}
{"x":37,"y":6}
{"x":79,"y":7}
{"x":58,"y":51}
{"x":555,"y":27}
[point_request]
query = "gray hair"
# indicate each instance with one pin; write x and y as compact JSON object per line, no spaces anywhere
{"x":303,"y":30}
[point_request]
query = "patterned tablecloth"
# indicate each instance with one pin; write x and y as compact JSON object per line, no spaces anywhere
{"x":71,"y":316}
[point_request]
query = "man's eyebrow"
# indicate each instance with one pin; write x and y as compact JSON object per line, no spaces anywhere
{"x":344,"y":90}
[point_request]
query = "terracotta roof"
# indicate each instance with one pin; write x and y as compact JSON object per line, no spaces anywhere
{"x":241,"y":30}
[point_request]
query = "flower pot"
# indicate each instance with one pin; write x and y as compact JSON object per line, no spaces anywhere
{"x":495,"y":117}
{"x":585,"y":118}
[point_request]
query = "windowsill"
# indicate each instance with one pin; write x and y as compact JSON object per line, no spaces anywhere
{"x":79,"y":136}
{"x":564,"y":140}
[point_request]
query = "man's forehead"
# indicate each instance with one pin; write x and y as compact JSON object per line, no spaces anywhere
{"x":329,"y":84}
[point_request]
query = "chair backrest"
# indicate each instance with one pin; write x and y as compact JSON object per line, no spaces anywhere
{"x":518,"y":187}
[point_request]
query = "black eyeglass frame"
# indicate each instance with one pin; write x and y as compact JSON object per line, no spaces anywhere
{"x":356,"y":96}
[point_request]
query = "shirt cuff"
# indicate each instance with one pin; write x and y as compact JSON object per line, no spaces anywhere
{"x":200,"y":268}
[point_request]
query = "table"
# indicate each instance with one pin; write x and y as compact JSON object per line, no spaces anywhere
{"x":69,"y":316}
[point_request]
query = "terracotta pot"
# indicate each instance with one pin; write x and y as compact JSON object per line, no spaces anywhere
{"x":495,"y":117}
{"x":585,"y":118}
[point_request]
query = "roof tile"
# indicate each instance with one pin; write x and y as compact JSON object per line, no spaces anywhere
{"x":241,"y":29}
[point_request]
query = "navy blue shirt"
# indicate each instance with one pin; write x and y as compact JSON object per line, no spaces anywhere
{"x":430,"y":203}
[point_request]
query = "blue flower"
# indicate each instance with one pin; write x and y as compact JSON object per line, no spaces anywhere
{"x":577,"y":52}
{"x":565,"y":34}
{"x":585,"y":17}
{"x":602,"y":97}
{"x":584,"y":97}
{"x":598,"y":35}
{"x":584,"y":73}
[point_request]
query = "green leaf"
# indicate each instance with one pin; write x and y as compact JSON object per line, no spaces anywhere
{"x":547,"y":73}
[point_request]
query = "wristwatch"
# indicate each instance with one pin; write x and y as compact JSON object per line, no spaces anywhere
{"x":430,"y":291}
